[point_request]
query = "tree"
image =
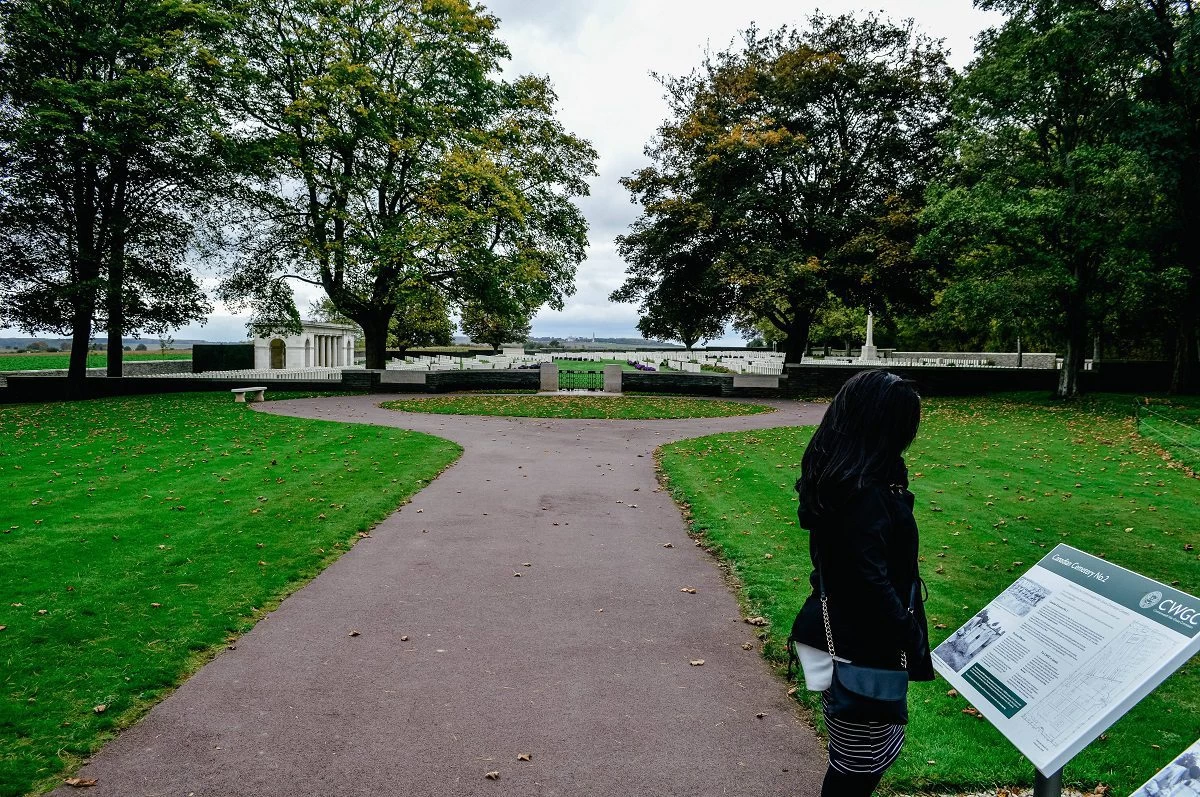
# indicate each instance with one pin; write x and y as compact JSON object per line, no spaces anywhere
{"x":495,"y":329}
{"x":1167,"y":130}
{"x":391,"y":162}
{"x":785,"y":152}
{"x":671,"y":272}
{"x":105,"y":144}
{"x":1045,"y":211}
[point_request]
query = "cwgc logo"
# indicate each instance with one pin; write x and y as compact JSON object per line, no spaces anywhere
{"x":1151,"y":599}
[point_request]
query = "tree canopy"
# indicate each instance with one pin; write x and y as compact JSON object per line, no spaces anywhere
{"x":391,"y":162}
{"x":792,"y":161}
{"x":106,"y":158}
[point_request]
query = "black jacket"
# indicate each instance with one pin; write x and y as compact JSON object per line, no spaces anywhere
{"x":867,"y":547}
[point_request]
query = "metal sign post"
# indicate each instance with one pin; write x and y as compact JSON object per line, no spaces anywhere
{"x":1047,"y":786}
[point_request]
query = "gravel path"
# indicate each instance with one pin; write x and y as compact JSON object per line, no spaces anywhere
{"x":527,"y":603}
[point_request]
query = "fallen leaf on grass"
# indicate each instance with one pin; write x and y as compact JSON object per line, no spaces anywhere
{"x":952,"y":693}
{"x":156,"y":606}
{"x":697,"y":662}
{"x":493,"y":775}
{"x":80,"y":783}
{"x":756,"y":620}
{"x":100,"y":709}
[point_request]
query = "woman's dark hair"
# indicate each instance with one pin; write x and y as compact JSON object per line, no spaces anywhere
{"x":869,"y":424}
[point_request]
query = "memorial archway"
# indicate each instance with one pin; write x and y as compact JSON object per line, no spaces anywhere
{"x":278,"y":354}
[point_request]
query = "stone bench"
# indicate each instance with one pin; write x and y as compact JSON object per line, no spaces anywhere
{"x":255,"y":394}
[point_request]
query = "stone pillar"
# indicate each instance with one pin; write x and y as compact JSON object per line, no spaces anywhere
{"x":612,"y":379}
{"x":549,"y":372}
{"x":869,"y":351}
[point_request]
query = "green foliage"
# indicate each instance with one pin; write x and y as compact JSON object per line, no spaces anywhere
{"x":998,"y":483}
{"x":603,"y":407}
{"x":1048,"y":214}
{"x":494,"y":327}
{"x":415,"y":169}
{"x":793,"y":166}
{"x":151,"y":540}
{"x":106,"y":141}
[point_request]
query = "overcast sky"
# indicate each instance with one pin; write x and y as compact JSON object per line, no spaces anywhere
{"x":599,"y":55}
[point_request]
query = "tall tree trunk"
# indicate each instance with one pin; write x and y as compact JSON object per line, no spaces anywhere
{"x":797,"y":336}
{"x":1183,"y":370}
{"x":83,"y":299}
{"x":115,"y":293}
{"x":375,"y":329}
{"x":1077,"y":341}
{"x":81,"y":337}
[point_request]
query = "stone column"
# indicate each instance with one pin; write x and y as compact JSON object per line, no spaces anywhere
{"x":549,"y":372}
{"x":612,"y":379}
{"x":869,"y":352}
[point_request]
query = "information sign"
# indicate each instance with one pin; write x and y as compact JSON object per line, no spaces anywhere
{"x":1180,"y":778}
{"x":1066,"y":650}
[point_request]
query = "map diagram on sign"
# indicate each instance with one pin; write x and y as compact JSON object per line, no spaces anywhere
{"x":1094,"y":687}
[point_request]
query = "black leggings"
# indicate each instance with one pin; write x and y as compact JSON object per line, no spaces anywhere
{"x":839,"y":784}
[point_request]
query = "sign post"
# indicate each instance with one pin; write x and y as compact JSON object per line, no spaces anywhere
{"x":1047,"y":786}
{"x":1065,"y":651}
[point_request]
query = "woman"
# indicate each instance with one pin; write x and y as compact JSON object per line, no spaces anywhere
{"x":854,"y":500}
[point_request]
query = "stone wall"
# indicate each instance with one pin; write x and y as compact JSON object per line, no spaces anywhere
{"x":1003,"y":359}
{"x":815,"y":381}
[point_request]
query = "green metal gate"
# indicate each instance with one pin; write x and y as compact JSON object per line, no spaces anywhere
{"x":581,"y":380}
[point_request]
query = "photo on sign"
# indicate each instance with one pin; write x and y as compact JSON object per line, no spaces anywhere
{"x":1022,"y":597}
{"x":1180,"y":778}
{"x":961,"y":647}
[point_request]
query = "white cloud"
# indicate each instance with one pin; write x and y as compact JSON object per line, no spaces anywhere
{"x":599,"y":56}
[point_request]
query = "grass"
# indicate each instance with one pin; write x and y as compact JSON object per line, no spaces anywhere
{"x":1175,"y":425}
{"x":999,"y":482}
{"x":139,"y":535}
{"x":608,"y":408}
{"x":597,"y":365}
{"x":99,"y":359}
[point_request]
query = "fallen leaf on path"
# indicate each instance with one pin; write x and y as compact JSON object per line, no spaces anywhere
{"x":80,"y":783}
{"x":524,"y":757}
{"x":697,"y":662}
{"x":747,"y":646}
{"x":404,"y":638}
{"x":354,"y":633}
{"x":761,"y":714}
{"x":688,"y":590}
{"x":493,"y":775}
{"x":668,"y":545}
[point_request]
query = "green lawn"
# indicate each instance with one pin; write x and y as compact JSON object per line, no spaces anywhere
{"x":1175,"y":425}
{"x":999,"y":482}
{"x":584,"y":365}
{"x":603,"y":407}
{"x":138,"y":535}
{"x":99,"y":359}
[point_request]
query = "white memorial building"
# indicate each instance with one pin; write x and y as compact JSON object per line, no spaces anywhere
{"x":319,"y":345}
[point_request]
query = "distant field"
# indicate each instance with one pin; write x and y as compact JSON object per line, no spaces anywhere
{"x":47,"y":362}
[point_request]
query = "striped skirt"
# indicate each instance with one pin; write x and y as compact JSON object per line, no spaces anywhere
{"x":861,"y":748}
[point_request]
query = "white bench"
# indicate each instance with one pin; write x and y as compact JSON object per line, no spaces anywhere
{"x":240,"y":393}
